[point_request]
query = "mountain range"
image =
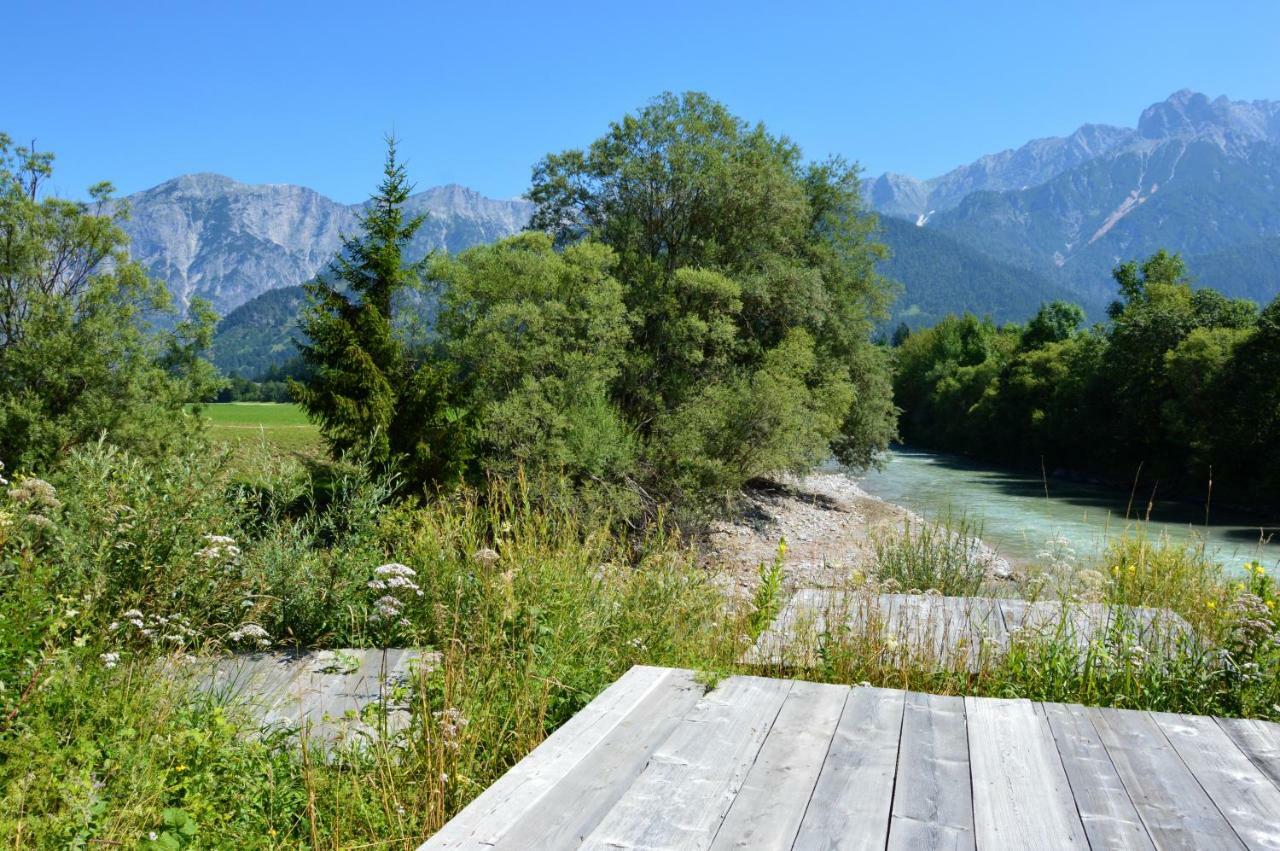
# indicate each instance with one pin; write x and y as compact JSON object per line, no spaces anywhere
{"x":1197,"y":176}
{"x":209,"y":236}
{"x":1000,"y":235}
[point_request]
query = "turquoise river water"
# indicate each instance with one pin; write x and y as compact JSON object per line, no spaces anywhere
{"x":1018,"y":517}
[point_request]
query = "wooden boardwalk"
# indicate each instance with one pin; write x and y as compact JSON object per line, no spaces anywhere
{"x":952,"y":631}
{"x":328,"y":694}
{"x":656,"y":763}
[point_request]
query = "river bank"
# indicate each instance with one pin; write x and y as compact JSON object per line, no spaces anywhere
{"x":829,"y":523}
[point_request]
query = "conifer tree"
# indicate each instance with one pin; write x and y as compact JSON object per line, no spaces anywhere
{"x":369,"y":392}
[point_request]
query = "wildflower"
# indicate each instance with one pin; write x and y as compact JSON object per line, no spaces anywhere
{"x":218,"y":549}
{"x":387,"y":608}
{"x":1210,"y":605}
{"x":486,"y":556}
{"x":152,"y":836}
{"x":451,"y":722}
{"x":39,"y":521}
{"x":3,"y":480}
{"x":250,"y":632}
{"x":35,"y":493}
{"x":110,"y":660}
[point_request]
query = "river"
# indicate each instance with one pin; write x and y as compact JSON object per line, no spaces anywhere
{"x":1018,"y":517}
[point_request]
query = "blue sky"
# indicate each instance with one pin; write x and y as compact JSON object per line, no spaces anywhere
{"x":284,"y":92}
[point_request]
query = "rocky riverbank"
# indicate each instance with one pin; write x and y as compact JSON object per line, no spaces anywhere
{"x":829,"y":524}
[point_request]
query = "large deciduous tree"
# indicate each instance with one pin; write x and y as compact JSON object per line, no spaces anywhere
{"x":80,"y":354}
{"x":750,"y":280}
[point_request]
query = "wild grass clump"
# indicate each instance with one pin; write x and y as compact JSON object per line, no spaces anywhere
{"x":949,"y":558}
{"x":121,"y":570}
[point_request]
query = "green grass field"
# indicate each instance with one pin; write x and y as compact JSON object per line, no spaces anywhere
{"x":284,"y":426}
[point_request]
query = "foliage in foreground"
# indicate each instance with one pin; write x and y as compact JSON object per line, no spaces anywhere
{"x":534,"y":607}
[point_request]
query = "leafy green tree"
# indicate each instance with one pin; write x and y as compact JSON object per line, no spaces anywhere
{"x":79,"y":358}
{"x":371,"y":394}
{"x":1053,"y":323}
{"x":535,"y":339}
{"x":734,"y":256}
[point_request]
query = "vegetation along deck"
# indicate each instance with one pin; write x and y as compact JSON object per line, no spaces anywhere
{"x":658,"y":762}
{"x":952,"y":631}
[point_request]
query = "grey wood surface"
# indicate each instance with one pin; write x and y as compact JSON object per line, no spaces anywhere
{"x":656,"y":763}
{"x":487,"y":818}
{"x":851,"y":802}
{"x":1258,"y":740}
{"x":683,"y":794}
{"x":946,"y":632}
{"x":572,"y":809}
{"x":1246,"y":797}
{"x":932,"y":800}
{"x":1021,"y":796}
{"x":330,"y":697}
{"x":1174,"y":807}
{"x":1110,"y":819}
{"x":767,"y":811}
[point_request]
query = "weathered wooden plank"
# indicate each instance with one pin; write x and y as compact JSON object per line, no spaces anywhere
{"x":1174,"y":808}
{"x":932,"y":799}
{"x":1110,"y":819}
{"x":771,"y":803}
{"x":1021,"y":796}
{"x":1246,"y":798}
{"x":521,"y":789}
{"x":851,"y":801}
{"x":577,"y":804}
{"x":683,"y":794}
{"x":1259,"y":740}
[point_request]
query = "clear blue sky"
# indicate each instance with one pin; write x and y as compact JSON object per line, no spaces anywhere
{"x":287,"y":92}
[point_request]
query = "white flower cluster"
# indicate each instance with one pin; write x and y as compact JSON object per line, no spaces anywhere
{"x":393,"y":578}
{"x":171,"y":629}
{"x":37,"y":494}
{"x":3,"y":480}
{"x":250,"y":633}
{"x":218,"y":549}
{"x":451,"y":722}
{"x":110,"y":660}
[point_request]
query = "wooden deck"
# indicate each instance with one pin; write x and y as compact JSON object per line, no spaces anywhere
{"x":656,"y":763}
{"x":951,"y":631}
{"x":327,"y":694}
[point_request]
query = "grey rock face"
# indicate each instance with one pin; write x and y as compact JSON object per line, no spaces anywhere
{"x":207,"y":235}
{"x":1186,"y":116}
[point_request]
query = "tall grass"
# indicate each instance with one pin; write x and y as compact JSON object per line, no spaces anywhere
{"x":532,"y":604}
{"x":948,"y":558}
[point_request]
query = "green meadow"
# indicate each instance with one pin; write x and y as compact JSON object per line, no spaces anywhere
{"x":283,"y":426}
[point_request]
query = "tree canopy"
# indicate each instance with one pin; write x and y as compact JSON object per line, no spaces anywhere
{"x":1181,"y":382}
{"x":80,"y":356}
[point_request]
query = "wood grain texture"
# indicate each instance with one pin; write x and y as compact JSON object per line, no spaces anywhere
{"x":680,"y":799}
{"x":850,"y":806}
{"x":932,"y":800}
{"x":1110,"y":819}
{"x":1021,"y":796}
{"x":577,"y":804}
{"x":1248,"y":800}
{"x":767,"y":812}
{"x":486,"y":819}
{"x":1258,"y":740}
{"x":1174,"y":808}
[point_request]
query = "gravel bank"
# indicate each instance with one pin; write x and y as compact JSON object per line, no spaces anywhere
{"x":828,"y":522}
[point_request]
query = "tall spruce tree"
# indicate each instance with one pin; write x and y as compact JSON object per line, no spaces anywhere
{"x":370,"y":393}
